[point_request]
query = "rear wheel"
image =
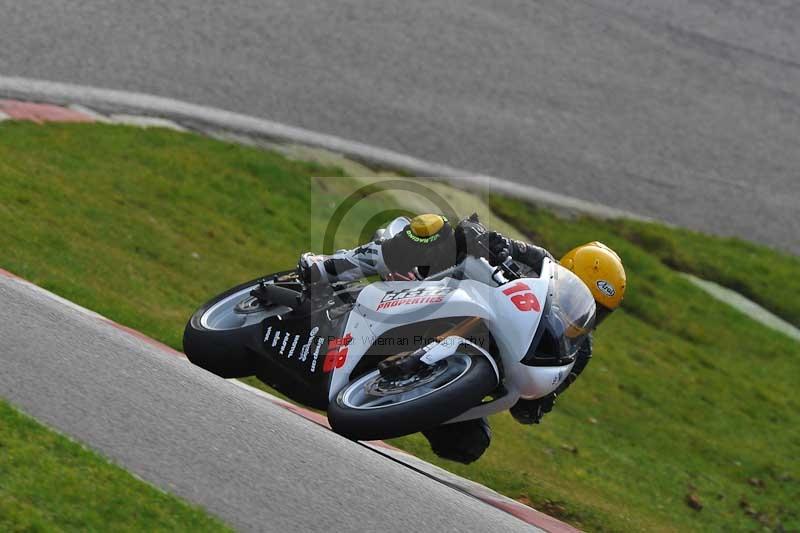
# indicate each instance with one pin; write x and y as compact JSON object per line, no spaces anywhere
{"x":216,"y":335}
{"x":375,"y":407}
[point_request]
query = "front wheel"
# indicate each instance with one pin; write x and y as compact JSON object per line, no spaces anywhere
{"x":374,"y":407}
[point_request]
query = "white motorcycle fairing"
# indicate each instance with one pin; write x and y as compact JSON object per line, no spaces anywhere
{"x":510,"y":313}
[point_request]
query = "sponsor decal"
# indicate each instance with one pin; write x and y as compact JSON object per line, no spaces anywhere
{"x":606,"y":288}
{"x":522,"y":298}
{"x":337,"y":353}
{"x":285,"y":342}
{"x":365,"y":250}
{"x":317,"y":350}
{"x":305,"y":349}
{"x":417,"y":296}
{"x":422,"y":240}
{"x":307,"y":346}
{"x":294,"y":345}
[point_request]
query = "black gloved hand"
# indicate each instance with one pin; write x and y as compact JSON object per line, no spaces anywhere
{"x":469,"y":236}
{"x":532,"y":411}
{"x":500,"y":248}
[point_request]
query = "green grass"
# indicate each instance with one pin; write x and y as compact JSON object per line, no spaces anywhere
{"x":689,"y":396}
{"x":685,"y":395}
{"x":50,"y":483}
{"x":770,"y":278}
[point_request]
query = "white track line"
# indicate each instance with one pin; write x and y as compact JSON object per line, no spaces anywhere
{"x":192,"y":115}
{"x":746,"y":306}
{"x":146,"y":122}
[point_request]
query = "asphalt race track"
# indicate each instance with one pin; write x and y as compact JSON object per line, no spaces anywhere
{"x":254,"y":464}
{"x":688,"y":111}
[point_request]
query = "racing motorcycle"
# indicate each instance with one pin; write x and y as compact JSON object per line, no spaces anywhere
{"x":390,"y":358}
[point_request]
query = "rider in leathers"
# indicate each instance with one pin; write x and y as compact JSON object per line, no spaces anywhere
{"x":428,"y":245}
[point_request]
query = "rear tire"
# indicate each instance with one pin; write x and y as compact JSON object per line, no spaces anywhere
{"x":222,"y":351}
{"x":418,"y":414}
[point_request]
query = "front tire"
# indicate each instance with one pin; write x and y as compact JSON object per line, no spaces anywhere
{"x":367,"y":409}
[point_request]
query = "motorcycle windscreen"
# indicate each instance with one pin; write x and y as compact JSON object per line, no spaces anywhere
{"x":575,"y":306}
{"x":567,"y":320}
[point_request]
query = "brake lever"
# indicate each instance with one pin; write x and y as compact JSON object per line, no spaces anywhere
{"x":511,"y":268}
{"x":508,"y":267}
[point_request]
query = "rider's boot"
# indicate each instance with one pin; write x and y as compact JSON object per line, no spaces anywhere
{"x":463,"y":442}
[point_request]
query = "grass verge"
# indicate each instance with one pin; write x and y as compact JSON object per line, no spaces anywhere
{"x":686,"y":398}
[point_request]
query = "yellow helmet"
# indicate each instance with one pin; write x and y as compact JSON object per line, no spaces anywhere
{"x":600,"y":268}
